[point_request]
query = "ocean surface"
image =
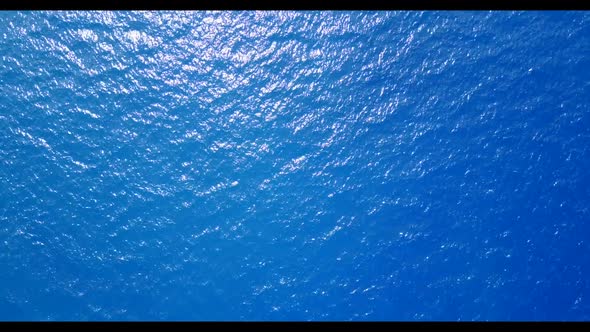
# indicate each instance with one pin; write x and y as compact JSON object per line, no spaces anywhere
{"x":295,"y":166}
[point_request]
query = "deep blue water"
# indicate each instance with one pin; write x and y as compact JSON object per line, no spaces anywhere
{"x":294,"y":166}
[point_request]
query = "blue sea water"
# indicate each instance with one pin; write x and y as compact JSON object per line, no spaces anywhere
{"x":294,"y":165}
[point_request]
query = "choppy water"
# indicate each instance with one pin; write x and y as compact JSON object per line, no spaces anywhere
{"x":294,"y":165}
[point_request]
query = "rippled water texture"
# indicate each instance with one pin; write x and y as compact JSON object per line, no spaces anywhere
{"x":294,"y":165}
